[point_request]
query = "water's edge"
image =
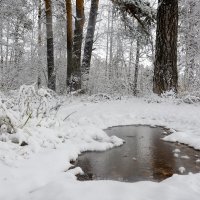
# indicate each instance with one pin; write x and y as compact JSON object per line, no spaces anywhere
{"x":144,"y":156}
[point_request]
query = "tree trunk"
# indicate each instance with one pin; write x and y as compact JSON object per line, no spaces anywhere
{"x":89,"y":39}
{"x":39,"y":44}
{"x":111,"y":73}
{"x":69,"y":41}
{"x":165,"y":68}
{"x":107,"y":41}
{"x":16,"y":44}
{"x":77,"y":46}
{"x":50,"y":46}
{"x":136,"y":67}
{"x":7,"y":43}
{"x":190,"y":47}
{"x":130,"y":60}
{"x":1,"y":54}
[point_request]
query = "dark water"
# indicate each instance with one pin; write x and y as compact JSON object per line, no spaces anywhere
{"x":144,"y":156}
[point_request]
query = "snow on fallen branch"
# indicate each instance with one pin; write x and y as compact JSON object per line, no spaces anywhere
{"x":69,"y":115}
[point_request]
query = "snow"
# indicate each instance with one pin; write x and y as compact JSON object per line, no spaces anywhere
{"x":176,"y":151}
{"x":185,"y":157}
{"x":181,"y":169}
{"x":174,"y":189}
{"x":40,"y":169}
{"x":198,"y":161}
{"x":176,"y":155}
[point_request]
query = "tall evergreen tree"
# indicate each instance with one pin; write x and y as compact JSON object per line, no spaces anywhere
{"x":77,"y":43}
{"x":39,"y":43}
{"x":165,"y":68}
{"x":69,"y":41}
{"x":50,"y":46}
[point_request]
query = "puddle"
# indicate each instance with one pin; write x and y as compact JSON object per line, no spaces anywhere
{"x":144,"y":156}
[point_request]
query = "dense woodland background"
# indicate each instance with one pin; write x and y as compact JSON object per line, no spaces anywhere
{"x":106,"y":46}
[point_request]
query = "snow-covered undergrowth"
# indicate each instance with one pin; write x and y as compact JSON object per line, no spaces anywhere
{"x":29,"y":121}
{"x":55,"y":137}
{"x":20,"y":113}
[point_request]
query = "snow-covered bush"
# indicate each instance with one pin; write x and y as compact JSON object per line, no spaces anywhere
{"x":24,"y":109}
{"x":99,"y":97}
{"x":191,"y":99}
{"x":186,"y":97}
{"x":7,"y":120}
{"x":169,"y":94}
{"x":103,"y":97}
{"x":6,"y":125}
{"x":35,"y":102}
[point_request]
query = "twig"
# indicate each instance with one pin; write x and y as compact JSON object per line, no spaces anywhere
{"x":39,"y":106}
{"x":69,"y":115}
{"x":27,"y":120}
{"x":38,"y":124}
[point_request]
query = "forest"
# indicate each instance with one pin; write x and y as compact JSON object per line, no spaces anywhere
{"x":77,"y":78}
{"x":62,"y":44}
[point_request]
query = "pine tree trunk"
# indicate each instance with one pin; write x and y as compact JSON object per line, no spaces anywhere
{"x":39,"y":44}
{"x":69,"y":42}
{"x":50,"y":46}
{"x":165,"y":68}
{"x":77,"y":46}
{"x":89,"y":40}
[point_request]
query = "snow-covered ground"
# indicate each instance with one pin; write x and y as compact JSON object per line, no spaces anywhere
{"x":40,"y":170}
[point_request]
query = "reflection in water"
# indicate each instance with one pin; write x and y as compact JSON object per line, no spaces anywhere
{"x":144,"y":156}
{"x":163,"y":161}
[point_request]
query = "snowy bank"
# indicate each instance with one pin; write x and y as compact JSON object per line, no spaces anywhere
{"x":45,"y":174}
